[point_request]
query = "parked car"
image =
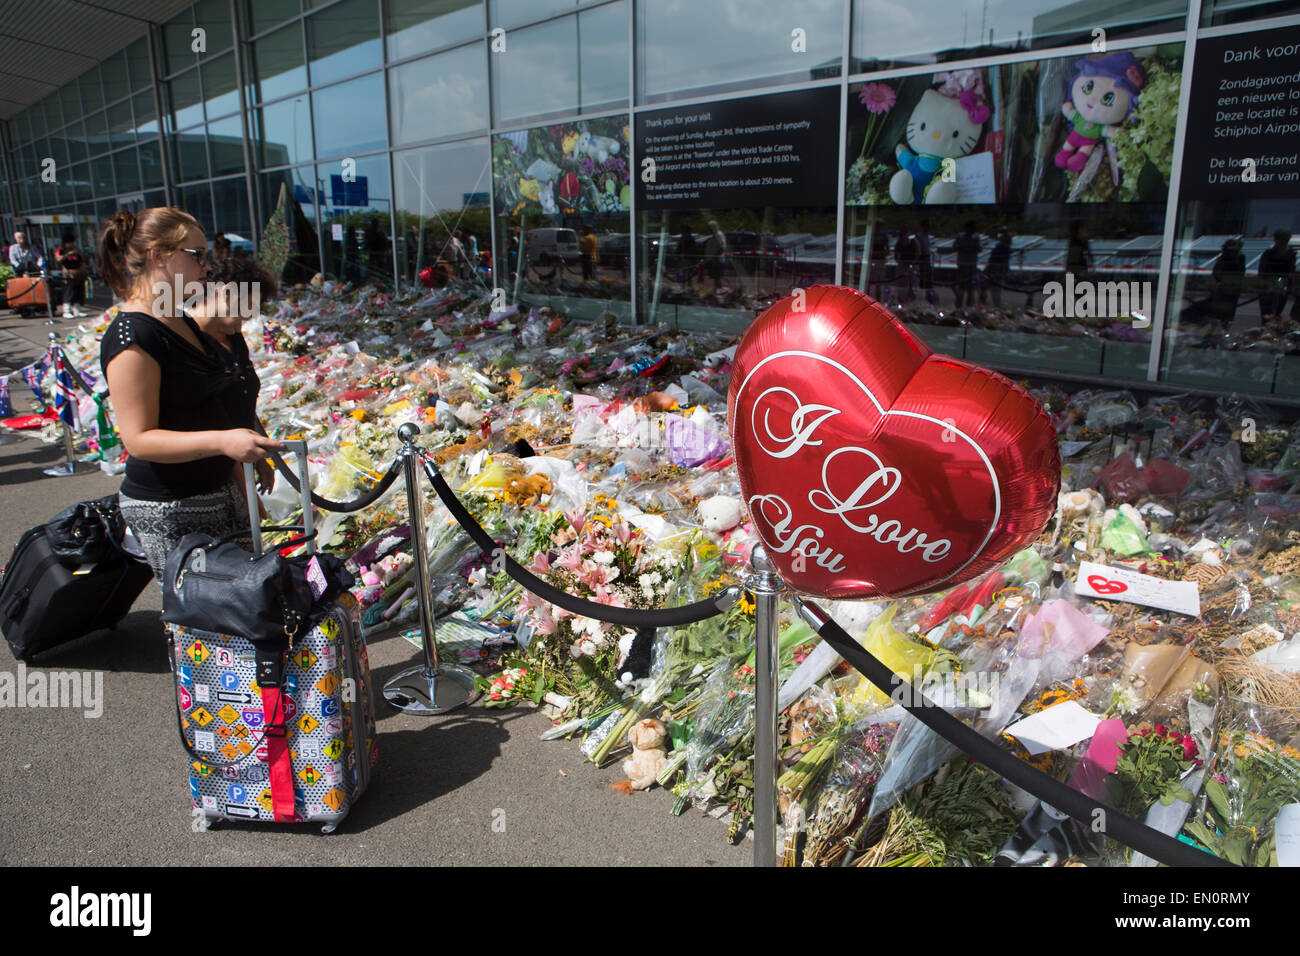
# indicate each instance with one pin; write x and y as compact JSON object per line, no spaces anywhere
{"x":548,"y":244}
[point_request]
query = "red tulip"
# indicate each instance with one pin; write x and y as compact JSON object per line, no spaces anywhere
{"x":569,"y":188}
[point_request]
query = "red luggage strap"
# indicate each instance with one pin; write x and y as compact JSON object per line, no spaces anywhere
{"x":270,"y":675}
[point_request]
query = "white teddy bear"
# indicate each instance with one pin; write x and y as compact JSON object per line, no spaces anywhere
{"x":599,"y":148}
{"x":720,"y":513}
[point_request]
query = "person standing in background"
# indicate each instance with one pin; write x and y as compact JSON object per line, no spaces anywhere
{"x":1228,"y":275}
{"x":967,"y":247}
{"x":26,"y":258}
{"x":925,"y":264}
{"x":68,"y":256}
{"x":999,"y":267}
{"x":1276,"y":274}
{"x":588,"y":244}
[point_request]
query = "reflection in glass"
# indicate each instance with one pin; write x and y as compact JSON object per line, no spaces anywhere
{"x":343,"y":40}
{"x":101,"y":174}
{"x":282,"y":132}
{"x":1232,"y":297}
{"x":507,"y":13}
{"x":442,"y":191}
{"x":298,"y":191}
{"x":230,"y":202}
{"x":717,"y":268}
{"x":888,"y":34}
{"x":1220,"y":12}
{"x":1005,"y":285}
{"x":214,"y":17}
{"x":349,"y":118}
{"x":563,"y":195}
{"x":117,"y":83}
{"x":177,"y":41}
{"x":440,"y":95}
{"x":96,"y":132}
{"x":151,"y":169}
{"x":219,"y":85}
{"x":413,"y":26}
{"x":146,"y":117}
{"x":279,"y":66}
{"x":602,"y":42}
{"x":190,"y":154}
{"x":197,"y":201}
{"x":684,"y":46}
{"x":264,"y":14}
{"x":70,"y":101}
{"x":362,"y":209}
{"x":137,"y":56}
{"x":538,"y":75}
{"x":120,"y":123}
{"x":127,"y":167}
{"x":186,"y":100}
{"x":226,"y":145}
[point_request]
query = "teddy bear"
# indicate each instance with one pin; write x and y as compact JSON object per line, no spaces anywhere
{"x":599,"y":148}
{"x":1103,"y":94}
{"x":720,"y":513}
{"x":649,"y":755}
{"x":527,"y":491}
{"x":945,"y":124}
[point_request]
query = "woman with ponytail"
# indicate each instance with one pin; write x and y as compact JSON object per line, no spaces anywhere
{"x":183,"y":410}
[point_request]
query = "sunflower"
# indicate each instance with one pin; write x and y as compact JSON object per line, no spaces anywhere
{"x":746,"y":603}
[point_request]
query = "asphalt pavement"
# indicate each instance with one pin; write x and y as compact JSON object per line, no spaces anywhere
{"x":473,"y":787}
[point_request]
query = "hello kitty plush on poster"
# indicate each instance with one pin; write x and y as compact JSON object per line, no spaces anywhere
{"x":946,"y":124}
{"x":1104,"y":92}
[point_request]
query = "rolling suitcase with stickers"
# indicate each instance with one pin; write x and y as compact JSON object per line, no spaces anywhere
{"x":287,"y":737}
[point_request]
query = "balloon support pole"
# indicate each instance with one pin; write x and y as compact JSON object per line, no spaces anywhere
{"x":428,"y":689}
{"x":767,"y":587}
{"x":70,"y":466}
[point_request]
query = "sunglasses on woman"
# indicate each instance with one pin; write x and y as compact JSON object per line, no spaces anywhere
{"x":198,"y":254}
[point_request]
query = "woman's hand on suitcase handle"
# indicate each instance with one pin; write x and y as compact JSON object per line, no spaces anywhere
{"x":244,"y":444}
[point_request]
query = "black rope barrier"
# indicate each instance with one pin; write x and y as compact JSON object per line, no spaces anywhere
{"x":638,"y":618}
{"x":1159,"y":846}
{"x":347,"y":507}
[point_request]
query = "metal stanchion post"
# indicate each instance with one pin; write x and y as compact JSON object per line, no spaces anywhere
{"x":430,"y":688}
{"x":70,"y":466}
{"x":767,"y":587}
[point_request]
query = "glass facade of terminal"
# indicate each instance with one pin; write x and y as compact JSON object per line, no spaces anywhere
{"x":1096,"y":188}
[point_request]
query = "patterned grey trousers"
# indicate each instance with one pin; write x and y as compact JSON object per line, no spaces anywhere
{"x":160,"y":525}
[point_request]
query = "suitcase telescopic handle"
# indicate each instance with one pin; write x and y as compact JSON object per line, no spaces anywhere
{"x":299,"y":448}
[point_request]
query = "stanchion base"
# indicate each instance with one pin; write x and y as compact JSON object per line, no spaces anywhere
{"x":417,"y":691}
{"x":65,"y":469}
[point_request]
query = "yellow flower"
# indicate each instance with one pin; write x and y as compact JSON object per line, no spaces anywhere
{"x":746,"y":603}
{"x":530,"y":188}
{"x":1291,"y":752}
{"x":568,"y":143}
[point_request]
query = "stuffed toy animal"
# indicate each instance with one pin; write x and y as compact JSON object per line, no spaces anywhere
{"x":527,"y":491}
{"x":945,"y":124}
{"x":1104,"y":94}
{"x":599,"y":148}
{"x":720,"y":513}
{"x":649,"y":755}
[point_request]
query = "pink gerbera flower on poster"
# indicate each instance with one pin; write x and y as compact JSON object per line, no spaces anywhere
{"x":877,"y":97}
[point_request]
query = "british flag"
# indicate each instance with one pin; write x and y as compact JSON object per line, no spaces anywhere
{"x":6,"y":407}
{"x":34,"y":375}
{"x":65,"y":394}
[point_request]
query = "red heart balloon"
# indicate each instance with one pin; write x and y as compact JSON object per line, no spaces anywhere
{"x":873,"y":467}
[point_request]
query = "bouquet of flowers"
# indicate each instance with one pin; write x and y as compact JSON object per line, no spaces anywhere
{"x":1252,"y":779}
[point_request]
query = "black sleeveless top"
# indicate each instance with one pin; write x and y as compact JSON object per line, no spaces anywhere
{"x":199,"y":391}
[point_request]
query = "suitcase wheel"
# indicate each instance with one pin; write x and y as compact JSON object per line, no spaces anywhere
{"x":328,"y":828}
